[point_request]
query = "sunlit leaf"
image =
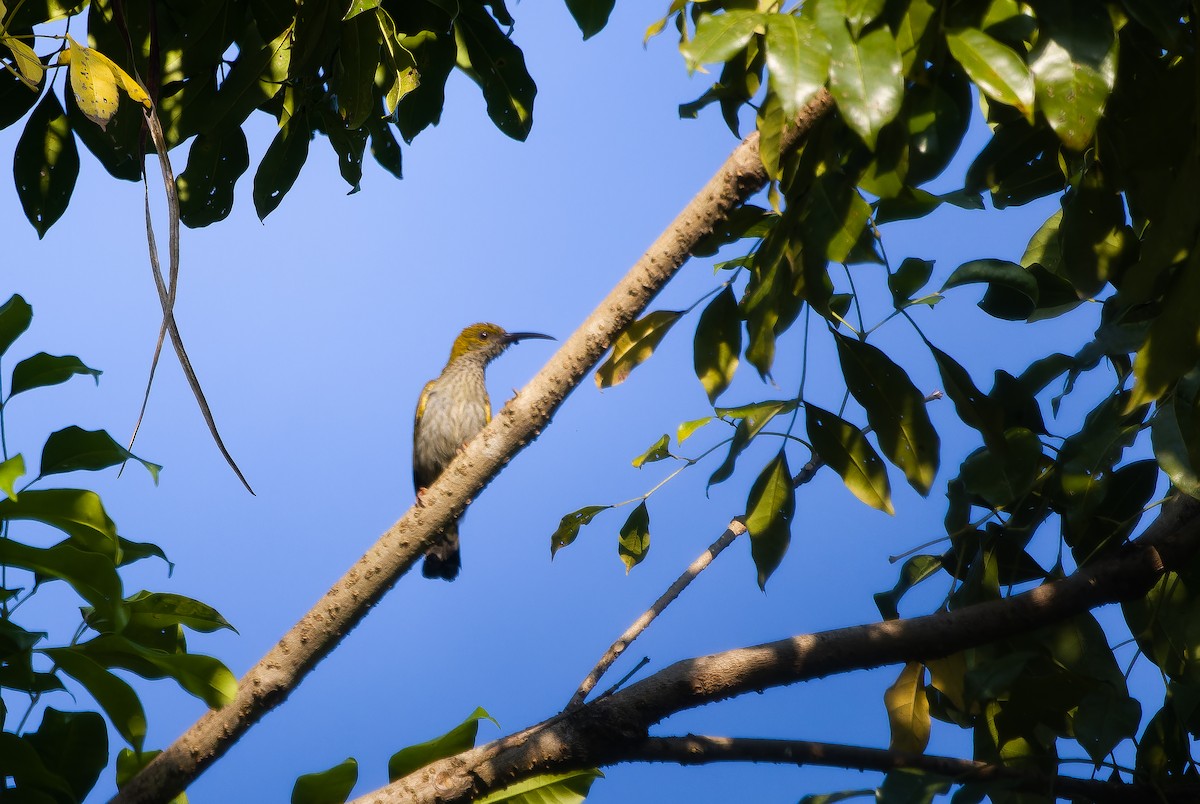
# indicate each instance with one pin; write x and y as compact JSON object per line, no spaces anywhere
{"x":797,"y":60}
{"x":719,"y":36}
{"x":97,"y":82}
{"x":570,"y":787}
{"x":769,"y":511}
{"x":895,"y":410}
{"x":29,"y":67}
{"x":330,"y":786}
{"x":687,"y":428}
{"x":634,"y":541}
{"x":10,"y":470}
{"x":498,"y":66}
{"x":751,"y":420}
{"x":908,"y":710}
{"x":77,"y":513}
{"x":1074,"y":65}
{"x":45,"y":164}
{"x":718,"y":344}
{"x":658,"y":451}
{"x":996,"y":68}
{"x":864,"y":73}
{"x":455,"y":741}
{"x":203,"y":676}
{"x":634,"y":346}
{"x":844,"y":448}
{"x":568,"y":527}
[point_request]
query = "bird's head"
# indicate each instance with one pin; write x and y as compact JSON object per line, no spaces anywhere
{"x":487,"y":341}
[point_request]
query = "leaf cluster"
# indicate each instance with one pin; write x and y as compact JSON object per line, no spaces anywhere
{"x":142,"y":633}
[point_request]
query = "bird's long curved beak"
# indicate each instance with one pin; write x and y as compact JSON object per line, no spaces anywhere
{"x":513,"y":337}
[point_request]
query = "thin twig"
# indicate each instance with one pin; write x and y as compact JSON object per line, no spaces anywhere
{"x":736,"y":528}
{"x":699,"y":750}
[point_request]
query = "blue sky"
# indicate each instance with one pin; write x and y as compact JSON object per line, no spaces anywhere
{"x":313,"y":334}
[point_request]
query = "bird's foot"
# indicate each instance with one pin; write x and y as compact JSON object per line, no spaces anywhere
{"x":421,"y":497}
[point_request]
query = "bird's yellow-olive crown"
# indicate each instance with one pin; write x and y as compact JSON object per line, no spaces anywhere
{"x":487,"y":341}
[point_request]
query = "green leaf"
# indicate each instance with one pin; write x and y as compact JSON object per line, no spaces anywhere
{"x":911,"y":276}
{"x":215,"y":163}
{"x":203,"y":676}
{"x":43,"y":369}
{"x":1172,"y":347}
{"x":1164,"y":748}
{"x":77,"y":513}
{"x":912,"y":787}
{"x":864,"y":74}
{"x":1074,"y":67}
{"x":455,"y":741}
{"x":912,"y":572}
{"x":73,"y":448}
{"x":590,"y":15}
{"x":358,"y":58}
{"x":330,"y":786}
{"x":1171,"y":446}
{"x":770,"y":121}
{"x":997,"y":69}
{"x":73,"y":745}
{"x":657,"y":452}
{"x":995,"y":273}
{"x":118,"y":700}
{"x":720,"y":36}
{"x":751,"y":420}
{"x":797,"y":60}
{"x":1086,"y":459}
{"x":130,"y":764}
{"x":718,"y":344}
{"x":10,"y":470}
{"x":634,"y":541}
{"x":769,"y":511}
{"x":570,"y":787}
{"x":895,"y":409}
{"x":281,"y":164}
{"x":836,"y":217}
{"x":687,"y":428}
{"x":1045,"y":247}
{"x":45,"y":164}
{"x":908,"y":710}
{"x":402,"y":75}
{"x":359,"y":6}
{"x":634,"y":346}
{"x":844,"y":447}
{"x":498,"y":66}
{"x":15,"y":317}
{"x":92,"y":576}
{"x":384,"y":147}
{"x":158,"y":610}
{"x":349,"y":145}
{"x":568,"y":527}
{"x":1106,"y":717}
{"x":33,"y":781}
{"x":1004,"y":478}
{"x":976,"y":409}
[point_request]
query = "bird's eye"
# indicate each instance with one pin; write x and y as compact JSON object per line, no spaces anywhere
{"x":483,"y":336}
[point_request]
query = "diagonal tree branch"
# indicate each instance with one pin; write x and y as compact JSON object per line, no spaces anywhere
{"x":270,"y":681}
{"x":697,"y":750}
{"x":599,"y":733}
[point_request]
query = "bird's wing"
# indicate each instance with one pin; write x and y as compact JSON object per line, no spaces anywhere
{"x":421,"y":479}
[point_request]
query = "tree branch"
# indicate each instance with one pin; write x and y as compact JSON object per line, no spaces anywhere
{"x":275,"y":676}
{"x":599,"y":733}
{"x":736,"y":528}
{"x":698,"y":750}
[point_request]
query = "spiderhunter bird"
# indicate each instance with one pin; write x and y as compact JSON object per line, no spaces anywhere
{"x":452,"y":409}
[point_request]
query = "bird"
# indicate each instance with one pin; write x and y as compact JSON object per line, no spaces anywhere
{"x":452,"y":409}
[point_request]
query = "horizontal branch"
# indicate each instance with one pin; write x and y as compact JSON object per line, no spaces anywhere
{"x":700,"y":750}
{"x":269,"y":682}
{"x":597,"y":733}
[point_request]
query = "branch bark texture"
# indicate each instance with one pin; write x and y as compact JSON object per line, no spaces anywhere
{"x":269,"y":682}
{"x":604,"y":731}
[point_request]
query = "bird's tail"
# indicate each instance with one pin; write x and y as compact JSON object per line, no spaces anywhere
{"x":442,"y":560}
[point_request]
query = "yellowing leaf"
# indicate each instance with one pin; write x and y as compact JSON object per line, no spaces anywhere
{"x":908,"y":710}
{"x":96,"y":81}
{"x":634,"y":346}
{"x":30,"y":68}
